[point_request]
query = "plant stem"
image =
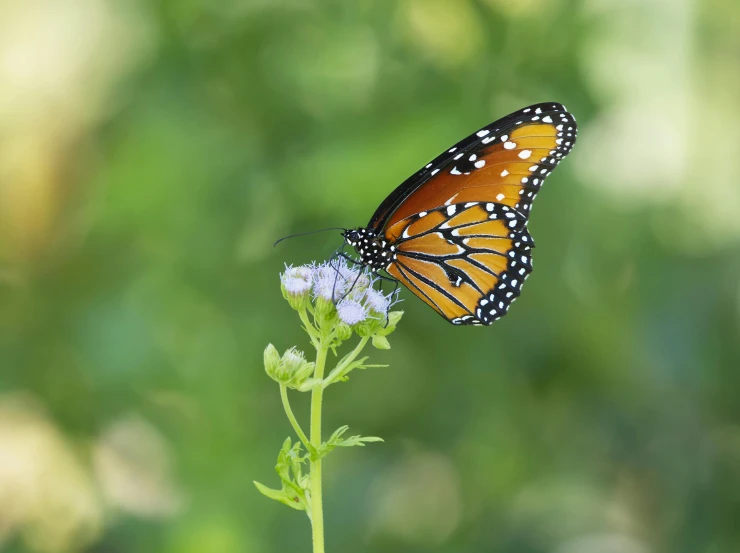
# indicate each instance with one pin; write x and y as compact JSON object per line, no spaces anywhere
{"x":311,"y":329}
{"x":292,"y":419}
{"x":317,"y":508}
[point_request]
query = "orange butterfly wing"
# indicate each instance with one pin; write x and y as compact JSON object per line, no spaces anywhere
{"x":459,"y":225}
{"x":467,"y":261}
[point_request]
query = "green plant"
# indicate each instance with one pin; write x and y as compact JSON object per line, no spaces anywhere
{"x":334,"y":304}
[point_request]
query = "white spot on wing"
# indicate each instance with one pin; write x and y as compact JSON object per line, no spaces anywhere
{"x":509,"y":145}
{"x":524,"y":154}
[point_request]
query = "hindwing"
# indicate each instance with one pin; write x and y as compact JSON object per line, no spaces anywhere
{"x":468,"y":261}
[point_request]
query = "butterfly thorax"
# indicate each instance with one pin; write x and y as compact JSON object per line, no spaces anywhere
{"x":374,"y":251}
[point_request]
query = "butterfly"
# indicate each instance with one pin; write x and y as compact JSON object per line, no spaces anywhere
{"x":455,"y":232}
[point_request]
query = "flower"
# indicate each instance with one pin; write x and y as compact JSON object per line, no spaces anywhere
{"x":337,"y":289}
{"x":351,"y":312}
{"x":377,"y":302}
{"x":326,"y":283}
{"x":296,"y":283}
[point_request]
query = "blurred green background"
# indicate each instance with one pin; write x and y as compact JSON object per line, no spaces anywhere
{"x":151,"y":152}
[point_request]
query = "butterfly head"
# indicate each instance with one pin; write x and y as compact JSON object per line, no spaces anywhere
{"x":374,"y":251}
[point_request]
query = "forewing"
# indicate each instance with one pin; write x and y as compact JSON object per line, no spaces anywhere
{"x":506,"y":162}
{"x":466,"y":260}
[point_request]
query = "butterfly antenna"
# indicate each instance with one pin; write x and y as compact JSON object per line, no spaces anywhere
{"x":306,"y":233}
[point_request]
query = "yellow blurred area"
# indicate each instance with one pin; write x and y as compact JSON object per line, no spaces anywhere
{"x":56,"y":495}
{"x":60,"y":64}
{"x":45,"y":492}
{"x":448,"y":32}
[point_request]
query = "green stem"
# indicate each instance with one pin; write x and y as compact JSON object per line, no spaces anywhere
{"x":331,"y":378}
{"x":292,"y":419}
{"x":317,"y":509}
{"x":311,"y":329}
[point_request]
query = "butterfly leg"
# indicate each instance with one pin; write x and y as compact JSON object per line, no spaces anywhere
{"x":339,"y":253}
{"x":336,"y":254}
{"x":348,"y":258}
{"x":396,"y":283}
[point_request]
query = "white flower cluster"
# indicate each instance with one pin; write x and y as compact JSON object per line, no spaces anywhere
{"x":351,"y":291}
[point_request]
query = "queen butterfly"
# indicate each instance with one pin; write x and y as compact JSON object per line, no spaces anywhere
{"x":455,"y":233}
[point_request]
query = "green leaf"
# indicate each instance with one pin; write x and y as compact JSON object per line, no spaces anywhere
{"x":289,"y":468}
{"x":283,"y":461}
{"x":358,"y":441}
{"x":339,"y":373}
{"x":335,"y":440}
{"x":380,"y":342}
{"x":281,"y":496}
{"x":393,"y":319}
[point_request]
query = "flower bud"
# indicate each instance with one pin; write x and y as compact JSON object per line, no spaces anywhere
{"x":272,"y":359}
{"x":293,"y":360}
{"x":343,"y":331}
{"x":368,"y":327}
{"x":380,"y":342}
{"x":291,"y":370}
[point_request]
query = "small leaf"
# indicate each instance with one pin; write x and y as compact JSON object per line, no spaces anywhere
{"x":394,"y":317}
{"x":282,"y":467}
{"x":380,"y":342}
{"x":281,"y":496}
{"x":340,"y":372}
{"x":335,"y":440}
{"x":338,"y":433}
{"x":358,"y":441}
